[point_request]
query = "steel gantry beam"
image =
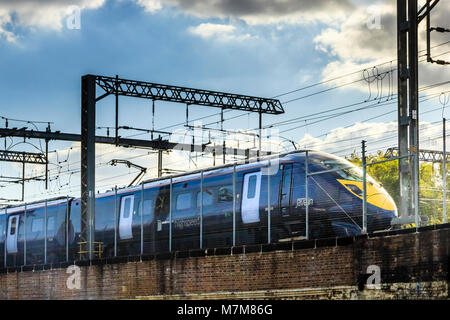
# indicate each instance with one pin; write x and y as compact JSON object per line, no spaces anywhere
{"x":22,"y":157}
{"x":145,"y":90}
{"x":190,"y":96}
{"x":424,"y":155}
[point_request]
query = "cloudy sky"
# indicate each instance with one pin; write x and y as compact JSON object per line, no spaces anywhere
{"x":255,"y":47}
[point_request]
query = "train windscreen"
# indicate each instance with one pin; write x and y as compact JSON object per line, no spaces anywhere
{"x":346,"y":170}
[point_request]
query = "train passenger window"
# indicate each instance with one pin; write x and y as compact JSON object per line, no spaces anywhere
{"x":51,"y":223}
{"x":37,"y":225}
{"x":148,"y":208}
{"x":286,"y":190}
{"x":126,"y":207}
{"x":207,"y":198}
{"x":225,"y":194}
{"x":251,"y":187}
{"x":13,"y":226}
{"x":287,"y":174}
{"x":183,"y":201}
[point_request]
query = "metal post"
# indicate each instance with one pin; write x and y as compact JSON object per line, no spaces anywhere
{"x":428,"y":32}
{"x":223,"y":144}
{"x":170,"y":216}
{"x":153,"y":117}
{"x":444,"y":171}
{"x":25,"y":236}
{"x":160,"y":154}
{"x":6,"y":235}
{"x":306,"y":195}
{"x":268,"y":205}
{"x":201,"y":209}
{"x":45,"y":232}
{"x":403,"y":119}
{"x":364,"y":162}
{"x":67,"y":228}
{"x":23,"y":178}
{"x":115,"y":221}
{"x":46,"y":164}
{"x":260,"y":134}
{"x":416,"y":188}
{"x":413,"y":104}
{"x":142,"y":220}
{"x":117,"y":111}
{"x":234,"y":205}
{"x":88,"y":101}
{"x":224,"y":151}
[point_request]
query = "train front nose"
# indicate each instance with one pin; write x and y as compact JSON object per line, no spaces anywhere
{"x":381,"y":208}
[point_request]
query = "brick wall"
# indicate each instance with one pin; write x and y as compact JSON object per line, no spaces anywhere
{"x":413,"y":264}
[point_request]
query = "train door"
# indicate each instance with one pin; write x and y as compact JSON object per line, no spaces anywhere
{"x":250,"y":197}
{"x":285,"y":191}
{"x":11,"y":237}
{"x":126,"y":217}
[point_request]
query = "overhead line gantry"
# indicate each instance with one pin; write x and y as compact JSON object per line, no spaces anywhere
{"x":23,"y":157}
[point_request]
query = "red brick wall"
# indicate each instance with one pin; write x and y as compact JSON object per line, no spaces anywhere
{"x":403,"y":258}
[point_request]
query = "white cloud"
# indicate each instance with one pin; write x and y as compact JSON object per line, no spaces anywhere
{"x":355,"y":44}
{"x":150,"y":5}
{"x":379,"y":136}
{"x":340,"y":139}
{"x":220,"y":32}
{"x":208,"y":30}
{"x":5,"y":19}
{"x":48,"y":14}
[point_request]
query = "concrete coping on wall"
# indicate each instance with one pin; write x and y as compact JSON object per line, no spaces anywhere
{"x":223,"y":251}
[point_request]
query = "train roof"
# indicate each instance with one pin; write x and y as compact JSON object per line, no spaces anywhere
{"x":216,"y":170}
{"x":33,"y":205}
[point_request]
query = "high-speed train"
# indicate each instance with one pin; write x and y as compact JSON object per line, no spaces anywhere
{"x":167,"y":213}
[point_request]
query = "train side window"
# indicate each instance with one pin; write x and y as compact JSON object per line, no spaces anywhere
{"x":2,"y":225}
{"x":37,"y":225}
{"x":285,"y":192}
{"x":51,"y":223}
{"x":126,"y":208}
{"x":207,"y":198}
{"x":148,"y":208}
{"x":251,"y":187}
{"x":225,"y":194}
{"x":287,"y":174}
{"x":183,"y":201}
{"x":162,"y":202}
{"x":13,"y":226}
